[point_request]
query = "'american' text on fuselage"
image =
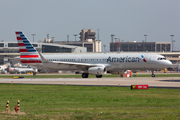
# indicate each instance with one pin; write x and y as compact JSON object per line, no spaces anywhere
{"x":123,"y":59}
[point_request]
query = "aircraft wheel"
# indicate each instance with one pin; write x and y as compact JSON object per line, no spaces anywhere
{"x":153,"y":75}
{"x":98,"y":76}
{"x":85,"y":75}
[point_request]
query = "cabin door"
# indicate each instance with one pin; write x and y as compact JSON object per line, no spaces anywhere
{"x":150,"y":59}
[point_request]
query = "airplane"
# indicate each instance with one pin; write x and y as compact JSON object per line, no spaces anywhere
{"x":3,"y":68}
{"x":22,"y":69}
{"x":95,"y":64}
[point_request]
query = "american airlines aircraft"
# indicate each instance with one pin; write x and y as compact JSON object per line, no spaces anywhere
{"x":96,"y":64}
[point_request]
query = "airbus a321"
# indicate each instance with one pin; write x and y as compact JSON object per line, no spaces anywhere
{"x":96,"y":64}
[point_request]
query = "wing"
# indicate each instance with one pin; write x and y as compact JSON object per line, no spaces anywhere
{"x":73,"y":64}
{"x":78,"y":65}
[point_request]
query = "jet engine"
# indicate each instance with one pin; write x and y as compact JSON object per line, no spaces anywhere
{"x":97,"y":70}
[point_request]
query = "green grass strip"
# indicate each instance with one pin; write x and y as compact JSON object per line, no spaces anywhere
{"x":89,"y":103}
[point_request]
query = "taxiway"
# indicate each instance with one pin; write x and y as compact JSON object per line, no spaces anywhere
{"x":159,"y":82}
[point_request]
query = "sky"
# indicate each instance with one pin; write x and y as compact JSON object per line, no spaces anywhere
{"x":129,"y":20}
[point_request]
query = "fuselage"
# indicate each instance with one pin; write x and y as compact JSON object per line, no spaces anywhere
{"x":113,"y":62}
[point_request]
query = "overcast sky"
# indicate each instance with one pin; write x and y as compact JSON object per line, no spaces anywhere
{"x":126,"y":19}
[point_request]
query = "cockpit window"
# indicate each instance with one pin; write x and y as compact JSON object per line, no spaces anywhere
{"x":161,"y":59}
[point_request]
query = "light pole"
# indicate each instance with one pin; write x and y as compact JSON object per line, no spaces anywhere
{"x":33,"y":36}
{"x":145,"y":37}
{"x":75,"y":37}
{"x":104,"y":48}
{"x":172,"y":41}
{"x":112,"y":42}
{"x":115,"y":39}
{"x":98,"y":34}
{"x":145,"y":41}
{"x":68,"y":39}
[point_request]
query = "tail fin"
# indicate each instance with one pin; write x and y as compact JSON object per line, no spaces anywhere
{"x":10,"y":68}
{"x":28,"y":53}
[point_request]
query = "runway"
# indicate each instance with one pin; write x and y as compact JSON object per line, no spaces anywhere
{"x":158,"y":82}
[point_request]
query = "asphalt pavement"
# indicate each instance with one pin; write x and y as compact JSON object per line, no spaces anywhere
{"x":158,"y":82}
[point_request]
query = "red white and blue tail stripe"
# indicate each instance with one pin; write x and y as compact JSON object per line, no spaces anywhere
{"x":27,"y":51}
{"x":143,"y":58}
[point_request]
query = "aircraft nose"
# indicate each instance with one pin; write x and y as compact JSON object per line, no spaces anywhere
{"x":168,"y":63}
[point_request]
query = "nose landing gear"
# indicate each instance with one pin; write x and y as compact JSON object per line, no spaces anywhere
{"x":153,"y":75}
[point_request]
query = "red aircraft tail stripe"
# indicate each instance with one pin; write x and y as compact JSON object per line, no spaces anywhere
{"x":31,"y":61}
{"x":21,"y":44}
{"x":29,"y":56}
{"x":23,"y":50}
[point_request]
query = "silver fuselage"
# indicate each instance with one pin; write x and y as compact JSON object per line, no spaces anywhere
{"x":113,"y":62}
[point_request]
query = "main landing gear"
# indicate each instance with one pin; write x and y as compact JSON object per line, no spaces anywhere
{"x":153,"y":75}
{"x":98,"y":76}
{"x":85,"y":75}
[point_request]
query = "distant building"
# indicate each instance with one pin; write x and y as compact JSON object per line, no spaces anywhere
{"x":87,"y":39}
{"x":87,"y":34}
{"x":141,"y":46}
{"x":48,"y":41}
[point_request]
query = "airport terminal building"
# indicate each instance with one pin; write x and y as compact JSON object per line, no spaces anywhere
{"x":140,"y":46}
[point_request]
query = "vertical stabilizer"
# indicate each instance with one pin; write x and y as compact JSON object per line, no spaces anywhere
{"x":28,"y":53}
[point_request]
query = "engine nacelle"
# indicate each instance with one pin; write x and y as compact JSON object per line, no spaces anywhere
{"x":97,"y":70}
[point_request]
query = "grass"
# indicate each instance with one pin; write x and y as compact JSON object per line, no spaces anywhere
{"x":90,"y":76}
{"x":84,"y":103}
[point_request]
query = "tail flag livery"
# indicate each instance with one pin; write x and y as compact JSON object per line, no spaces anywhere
{"x":28,"y":53}
{"x":10,"y":68}
{"x":143,"y":58}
